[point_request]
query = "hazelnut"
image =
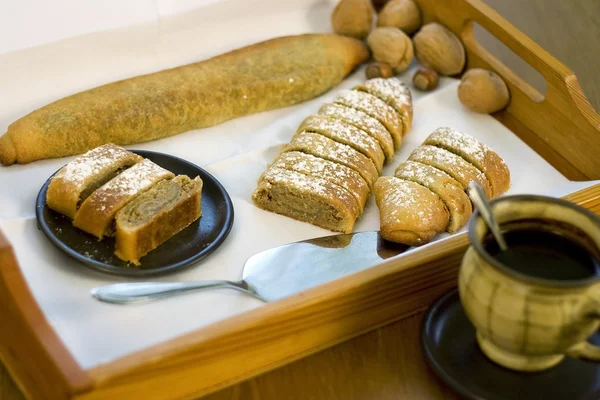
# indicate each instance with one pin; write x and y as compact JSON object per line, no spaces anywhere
{"x":425,"y":79}
{"x":353,"y":18}
{"x":378,"y":69}
{"x":402,"y":14}
{"x":483,"y":91}
{"x":391,"y":46}
{"x":436,"y":47}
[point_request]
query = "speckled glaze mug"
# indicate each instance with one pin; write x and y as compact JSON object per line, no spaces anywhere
{"x":524,"y":322}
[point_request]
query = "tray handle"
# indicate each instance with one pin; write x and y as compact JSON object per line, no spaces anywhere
{"x":563,"y":127}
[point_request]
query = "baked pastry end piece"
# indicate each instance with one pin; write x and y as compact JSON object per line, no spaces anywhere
{"x":409,"y":213}
{"x":74,"y":182}
{"x":156,"y":216}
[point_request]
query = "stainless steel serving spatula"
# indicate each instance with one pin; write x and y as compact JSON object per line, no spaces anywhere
{"x":275,"y":273}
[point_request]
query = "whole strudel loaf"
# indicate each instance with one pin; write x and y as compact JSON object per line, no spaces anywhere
{"x":275,"y":73}
{"x":325,"y":174}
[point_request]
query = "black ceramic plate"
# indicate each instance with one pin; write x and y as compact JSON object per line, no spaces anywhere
{"x":182,"y":250}
{"x":451,"y":350}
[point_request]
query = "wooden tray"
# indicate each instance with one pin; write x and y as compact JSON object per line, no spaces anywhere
{"x":562,"y":127}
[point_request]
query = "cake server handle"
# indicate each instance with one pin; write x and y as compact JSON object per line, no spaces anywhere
{"x":135,"y":292}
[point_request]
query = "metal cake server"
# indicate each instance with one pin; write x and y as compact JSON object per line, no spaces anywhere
{"x":275,"y":273}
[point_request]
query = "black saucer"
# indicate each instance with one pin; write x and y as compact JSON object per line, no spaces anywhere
{"x":182,"y":250}
{"x":450,"y":348}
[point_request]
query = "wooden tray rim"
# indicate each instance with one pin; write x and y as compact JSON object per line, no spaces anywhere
{"x":32,"y":345}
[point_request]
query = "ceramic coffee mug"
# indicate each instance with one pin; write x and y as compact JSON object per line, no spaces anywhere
{"x":526,"y":322}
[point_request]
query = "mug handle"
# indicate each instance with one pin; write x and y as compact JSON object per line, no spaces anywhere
{"x":586,"y":350}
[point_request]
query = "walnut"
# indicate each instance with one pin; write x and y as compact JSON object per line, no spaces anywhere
{"x":483,"y":91}
{"x":353,"y":18}
{"x":391,"y":46}
{"x":402,"y":14}
{"x":436,"y":47}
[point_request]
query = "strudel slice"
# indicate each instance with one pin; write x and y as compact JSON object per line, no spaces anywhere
{"x":323,"y":147}
{"x":447,"y":188}
{"x":156,"y":216}
{"x":393,"y":92}
{"x":74,"y":182}
{"x":455,"y":166}
{"x":345,"y":133}
{"x":96,"y":214}
{"x":335,"y":173}
{"x":306,"y":198}
{"x":409,"y":213}
{"x":362,"y":121}
{"x":376,"y":108}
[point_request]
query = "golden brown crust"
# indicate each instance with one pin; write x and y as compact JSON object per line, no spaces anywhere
{"x":393,"y":92}
{"x":376,"y":108}
{"x":447,"y":188}
{"x":306,"y":198}
{"x":267,"y":75}
{"x":335,"y":173}
{"x":409,"y":213}
{"x":323,"y":147}
{"x":455,"y":166}
{"x":97,"y":212}
{"x":347,"y":134}
{"x":8,"y":151}
{"x":362,"y":121}
{"x":92,"y":169}
{"x":476,"y":153}
{"x":133,"y":241}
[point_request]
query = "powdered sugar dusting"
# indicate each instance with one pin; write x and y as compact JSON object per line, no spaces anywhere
{"x":398,"y":199}
{"x":131,"y":181}
{"x":393,"y":91}
{"x":362,"y":121}
{"x":371,"y":105}
{"x":324,"y":147}
{"x":91,"y":163}
{"x":328,"y":170}
{"x":418,"y":172}
{"x":449,"y":163}
{"x":459,"y":142}
{"x":308,"y":184}
{"x":345,"y":133}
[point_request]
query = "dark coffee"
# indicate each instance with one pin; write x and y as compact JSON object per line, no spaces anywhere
{"x":543,"y":253}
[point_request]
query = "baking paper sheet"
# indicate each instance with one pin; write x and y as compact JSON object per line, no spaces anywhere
{"x":236,"y":152}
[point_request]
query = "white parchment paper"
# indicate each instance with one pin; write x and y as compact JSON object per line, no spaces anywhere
{"x":236,"y":152}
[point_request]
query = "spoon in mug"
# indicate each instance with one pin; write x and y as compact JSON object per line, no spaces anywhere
{"x":482,"y":204}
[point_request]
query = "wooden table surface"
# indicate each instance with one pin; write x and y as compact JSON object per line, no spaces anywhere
{"x":377,"y":365}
